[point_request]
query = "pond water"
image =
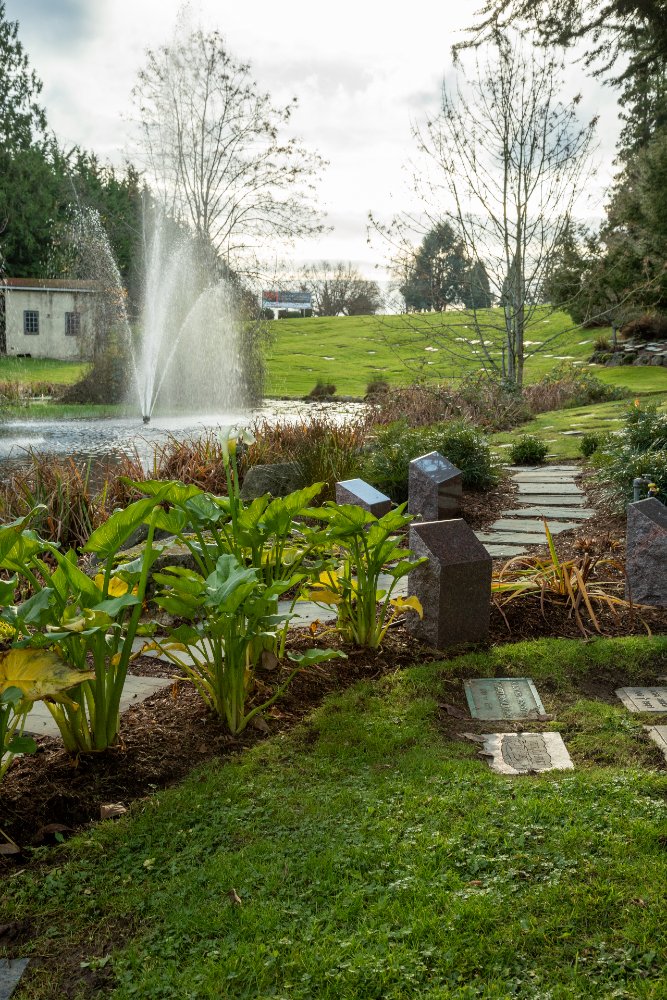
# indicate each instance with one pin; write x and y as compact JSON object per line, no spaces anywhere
{"x":105,"y":438}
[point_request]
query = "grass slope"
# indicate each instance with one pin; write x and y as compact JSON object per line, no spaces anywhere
{"x":375,"y":855}
{"x":350,"y":351}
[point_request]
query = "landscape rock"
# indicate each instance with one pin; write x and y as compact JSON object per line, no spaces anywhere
{"x":278,"y":479}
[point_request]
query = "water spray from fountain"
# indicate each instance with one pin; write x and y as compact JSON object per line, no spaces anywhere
{"x":184,"y":355}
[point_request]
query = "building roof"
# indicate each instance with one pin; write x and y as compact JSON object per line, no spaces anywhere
{"x":49,"y":284}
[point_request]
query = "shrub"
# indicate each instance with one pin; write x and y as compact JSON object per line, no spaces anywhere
{"x":650,"y":326}
{"x":640,"y":449}
{"x":322,"y":390}
{"x":488,"y":402}
{"x":590,"y":444}
{"x":529,"y":450}
{"x":566,"y":386}
{"x":396,"y":445}
{"x":377,"y":387}
{"x":602,"y":344}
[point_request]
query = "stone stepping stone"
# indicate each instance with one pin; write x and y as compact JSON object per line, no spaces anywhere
{"x":659,"y":735}
{"x":531,"y":525}
{"x":493,"y":698}
{"x":574,"y":469}
{"x":512,"y":537}
{"x":544,"y":477}
{"x":40,"y":722}
{"x":503,"y":550}
{"x":525,"y":753}
{"x":11,"y":970}
{"x":572,"y":513}
{"x":545,"y":502}
{"x":552,"y":489}
{"x":644,"y":699}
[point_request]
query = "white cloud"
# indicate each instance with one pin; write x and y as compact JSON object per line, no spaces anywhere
{"x":361,"y":72}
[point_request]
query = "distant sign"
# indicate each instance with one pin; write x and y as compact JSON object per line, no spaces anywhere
{"x":287,"y":300}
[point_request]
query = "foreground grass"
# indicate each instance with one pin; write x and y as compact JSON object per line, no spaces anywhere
{"x":376,"y":856}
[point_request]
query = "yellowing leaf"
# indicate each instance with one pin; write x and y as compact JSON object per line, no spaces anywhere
{"x":38,"y":673}
{"x":117,"y":587}
{"x":408,"y":603}
{"x":323,"y":596}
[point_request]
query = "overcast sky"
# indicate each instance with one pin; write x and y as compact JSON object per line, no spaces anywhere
{"x":362,"y":73}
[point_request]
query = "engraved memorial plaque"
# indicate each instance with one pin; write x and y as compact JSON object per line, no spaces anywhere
{"x":644,"y":699}
{"x":659,"y":735}
{"x":503,"y":698}
{"x":11,"y":970}
{"x":526,"y":753}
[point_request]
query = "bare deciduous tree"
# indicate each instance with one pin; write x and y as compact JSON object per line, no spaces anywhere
{"x":214,"y":149}
{"x":339,"y":289}
{"x":506,"y":161}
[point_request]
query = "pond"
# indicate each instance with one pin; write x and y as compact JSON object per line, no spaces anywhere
{"x":105,"y":438}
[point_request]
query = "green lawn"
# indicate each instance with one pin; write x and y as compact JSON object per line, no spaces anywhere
{"x":375,"y":855}
{"x":41,"y":370}
{"x":351,"y":351}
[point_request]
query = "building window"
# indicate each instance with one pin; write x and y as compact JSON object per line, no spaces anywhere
{"x":72,"y":324}
{"x":31,"y":321}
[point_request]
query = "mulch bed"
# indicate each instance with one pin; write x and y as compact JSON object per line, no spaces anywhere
{"x":170,"y":733}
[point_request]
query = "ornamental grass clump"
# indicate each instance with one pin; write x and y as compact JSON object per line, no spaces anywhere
{"x":574,"y":583}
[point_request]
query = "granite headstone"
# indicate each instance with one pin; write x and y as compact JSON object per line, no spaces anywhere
{"x":453,"y":585}
{"x":362,"y":494}
{"x":434,"y":487}
{"x":646,"y":553}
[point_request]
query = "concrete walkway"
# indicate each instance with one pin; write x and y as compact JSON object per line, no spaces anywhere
{"x":544,"y":491}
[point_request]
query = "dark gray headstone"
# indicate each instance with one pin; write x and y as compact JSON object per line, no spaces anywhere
{"x":646,"y":553}
{"x":11,"y":970}
{"x":454,"y":585}
{"x":361,"y":493}
{"x":278,"y":480}
{"x":434,"y":487}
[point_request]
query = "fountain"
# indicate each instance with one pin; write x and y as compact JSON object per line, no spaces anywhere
{"x":184,"y":353}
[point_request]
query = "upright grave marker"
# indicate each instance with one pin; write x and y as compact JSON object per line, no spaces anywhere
{"x":646,"y":553}
{"x":362,"y":494}
{"x":503,"y":698}
{"x":453,"y":586}
{"x":434,"y":487}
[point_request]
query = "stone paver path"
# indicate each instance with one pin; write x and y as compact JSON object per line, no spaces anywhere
{"x":544,"y":491}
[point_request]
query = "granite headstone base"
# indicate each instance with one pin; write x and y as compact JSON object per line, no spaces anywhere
{"x":453,"y":585}
{"x":646,"y":553}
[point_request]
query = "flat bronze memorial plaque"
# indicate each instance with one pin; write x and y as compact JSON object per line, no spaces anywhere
{"x":526,"y":753}
{"x":644,"y":699}
{"x":659,"y":735}
{"x":503,"y":698}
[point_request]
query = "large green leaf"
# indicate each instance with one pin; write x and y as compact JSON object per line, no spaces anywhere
{"x":113,"y":605}
{"x":38,"y":673}
{"x":203,"y":510}
{"x":80,"y":584}
{"x":37,"y":609}
{"x":7,"y":588}
{"x":106,"y":540}
{"x":9,"y":533}
{"x":170,"y":490}
{"x":313,"y":656}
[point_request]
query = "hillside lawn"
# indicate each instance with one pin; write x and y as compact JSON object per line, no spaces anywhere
{"x":371,"y":853}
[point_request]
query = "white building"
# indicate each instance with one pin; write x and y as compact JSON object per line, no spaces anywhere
{"x":42,"y":318}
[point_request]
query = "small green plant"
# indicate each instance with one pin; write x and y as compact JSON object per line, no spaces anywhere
{"x":639,"y":449}
{"x":230,"y":619}
{"x":366,"y":549}
{"x":86,"y":621}
{"x":528,"y":450}
{"x":590,"y":443}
